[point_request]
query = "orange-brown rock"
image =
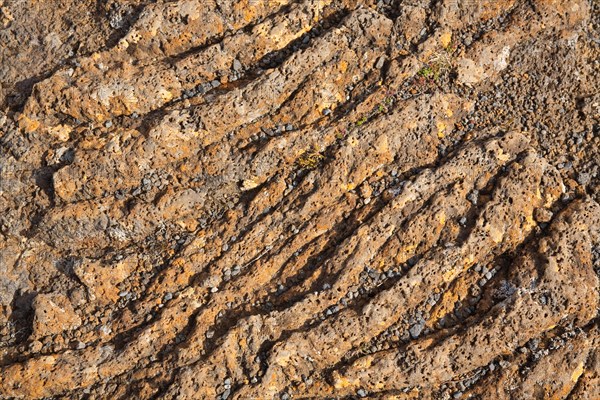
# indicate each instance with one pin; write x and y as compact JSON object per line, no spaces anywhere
{"x":306,"y":199}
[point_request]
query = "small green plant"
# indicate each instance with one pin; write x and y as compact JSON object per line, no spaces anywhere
{"x":437,"y":66}
{"x":339,"y":135}
{"x":310,"y":159}
{"x":361,"y":121}
{"x":427,"y":72}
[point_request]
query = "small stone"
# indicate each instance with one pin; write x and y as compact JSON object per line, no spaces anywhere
{"x":361,"y":393}
{"x":210,"y":334}
{"x":584,"y":178}
{"x":473,"y":197}
{"x":35,"y":346}
{"x":237,"y":65}
{"x":542,"y":215}
{"x":108,"y":124}
{"x":226,"y":394}
{"x":326,"y":111}
{"x":415,"y":330}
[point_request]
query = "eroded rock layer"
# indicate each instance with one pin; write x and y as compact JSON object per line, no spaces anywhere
{"x":300,"y":199}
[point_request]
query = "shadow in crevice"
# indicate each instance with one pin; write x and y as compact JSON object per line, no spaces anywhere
{"x":20,"y":322}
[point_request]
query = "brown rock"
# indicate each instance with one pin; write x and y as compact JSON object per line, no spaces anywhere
{"x":299,"y":199}
{"x":53,"y":314}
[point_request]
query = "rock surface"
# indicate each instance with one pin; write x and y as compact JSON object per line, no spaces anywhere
{"x":300,"y":199}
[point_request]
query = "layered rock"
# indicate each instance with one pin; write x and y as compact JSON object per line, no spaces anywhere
{"x":312,"y":199}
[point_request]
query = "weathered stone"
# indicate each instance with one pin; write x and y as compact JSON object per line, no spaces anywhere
{"x":299,"y":199}
{"x":53,"y":314}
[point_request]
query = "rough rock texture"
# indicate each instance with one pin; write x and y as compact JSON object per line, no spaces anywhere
{"x":300,"y":199}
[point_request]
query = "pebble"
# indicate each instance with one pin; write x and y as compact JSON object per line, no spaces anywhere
{"x":584,"y":178}
{"x":226,"y":394}
{"x":473,"y":196}
{"x":237,"y":65}
{"x":361,"y":393}
{"x":542,"y":215}
{"x":415,"y":330}
{"x":35,"y":346}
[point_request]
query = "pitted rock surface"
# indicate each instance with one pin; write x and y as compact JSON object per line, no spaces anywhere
{"x":306,"y":199}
